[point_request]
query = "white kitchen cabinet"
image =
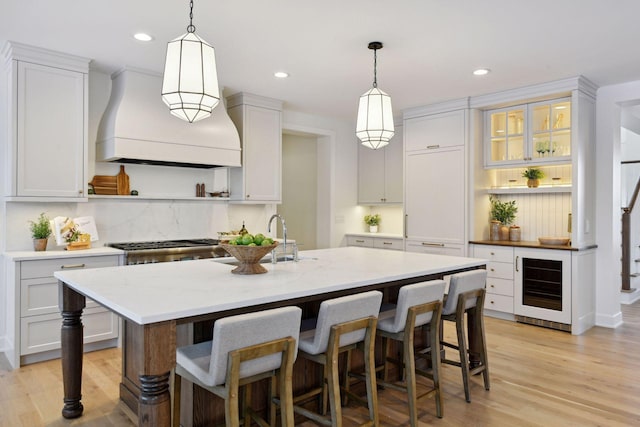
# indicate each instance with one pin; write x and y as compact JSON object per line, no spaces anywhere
{"x":380,"y":172}
{"x":379,"y":242}
{"x":259,"y":123}
{"x":433,"y":131}
{"x":530,"y":134}
{"x":500,"y":272}
{"x":37,"y":320}
{"x":46,"y":157}
{"x":420,"y":246}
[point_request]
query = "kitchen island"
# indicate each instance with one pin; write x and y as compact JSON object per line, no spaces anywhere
{"x":154,"y":298}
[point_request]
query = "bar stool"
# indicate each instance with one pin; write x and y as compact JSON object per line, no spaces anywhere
{"x":245,"y":348}
{"x":419,"y":305}
{"x":466,"y":295}
{"x":343,"y":324}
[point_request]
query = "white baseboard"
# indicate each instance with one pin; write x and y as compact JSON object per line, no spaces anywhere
{"x":630,"y":297}
{"x":609,"y":321}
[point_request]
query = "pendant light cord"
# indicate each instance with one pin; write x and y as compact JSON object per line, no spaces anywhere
{"x":191,"y":28}
{"x":375,"y":67}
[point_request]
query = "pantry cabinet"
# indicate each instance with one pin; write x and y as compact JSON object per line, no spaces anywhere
{"x":34,"y":297}
{"x":259,"y":123}
{"x":530,"y":134}
{"x":380,"y":172}
{"x":435,"y":183}
{"x":46,"y":153}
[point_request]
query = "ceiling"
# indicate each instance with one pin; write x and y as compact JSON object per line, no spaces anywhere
{"x":430,"y":49}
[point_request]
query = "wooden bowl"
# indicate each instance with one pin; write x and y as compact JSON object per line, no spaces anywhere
{"x":249,"y":257}
{"x":554,"y":240}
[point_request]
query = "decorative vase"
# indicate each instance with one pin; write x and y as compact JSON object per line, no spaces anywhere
{"x":40,"y":245}
{"x":494,"y":230}
{"x":533,"y":183}
{"x":504,"y":232}
{"x":373,"y":229}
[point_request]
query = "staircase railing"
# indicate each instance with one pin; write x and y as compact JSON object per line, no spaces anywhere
{"x":626,"y":239}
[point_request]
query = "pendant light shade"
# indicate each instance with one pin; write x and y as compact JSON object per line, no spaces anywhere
{"x":190,"y":81}
{"x":374,"y":126}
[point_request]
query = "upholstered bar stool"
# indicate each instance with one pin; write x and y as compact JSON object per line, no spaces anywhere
{"x":466,"y":295}
{"x":419,"y":305}
{"x":244,"y":349}
{"x":342,"y":324}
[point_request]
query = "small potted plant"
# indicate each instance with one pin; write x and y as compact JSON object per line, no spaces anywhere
{"x":372,"y":221}
{"x":40,"y":232}
{"x":533,"y":175}
{"x":503,"y":213}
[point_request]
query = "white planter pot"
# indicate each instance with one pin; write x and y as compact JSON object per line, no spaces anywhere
{"x":373,"y":229}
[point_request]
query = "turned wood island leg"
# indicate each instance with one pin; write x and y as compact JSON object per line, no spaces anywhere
{"x":71,"y":305}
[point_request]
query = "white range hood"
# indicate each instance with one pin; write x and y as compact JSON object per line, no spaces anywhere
{"x":137,"y":128}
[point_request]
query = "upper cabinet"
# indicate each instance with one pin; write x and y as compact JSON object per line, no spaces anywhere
{"x":46,"y":153}
{"x":380,"y":172}
{"x":259,"y":123}
{"x":533,"y":134}
{"x":435,"y":131}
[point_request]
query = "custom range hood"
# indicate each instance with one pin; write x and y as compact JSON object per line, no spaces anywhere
{"x":137,"y":128}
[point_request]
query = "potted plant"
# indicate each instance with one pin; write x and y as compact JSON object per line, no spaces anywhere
{"x":372,"y":221}
{"x":504,"y":213}
{"x":533,"y":175}
{"x":40,"y":232}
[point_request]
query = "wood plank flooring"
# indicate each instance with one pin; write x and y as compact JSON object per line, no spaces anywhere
{"x":538,"y":377}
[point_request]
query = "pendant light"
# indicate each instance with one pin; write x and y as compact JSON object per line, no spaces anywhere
{"x":375,"y":118}
{"x":190,"y":82}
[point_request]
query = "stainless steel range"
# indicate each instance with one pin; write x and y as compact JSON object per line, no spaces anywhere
{"x":169,"y":250}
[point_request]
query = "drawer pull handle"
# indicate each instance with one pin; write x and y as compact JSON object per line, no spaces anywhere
{"x":66,"y":267}
{"x":359,"y":241}
{"x":387,"y":243}
{"x":431,"y":147}
{"x":517,"y":263}
{"x":433,"y":244}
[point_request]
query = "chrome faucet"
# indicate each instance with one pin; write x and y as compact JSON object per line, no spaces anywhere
{"x":284,"y":230}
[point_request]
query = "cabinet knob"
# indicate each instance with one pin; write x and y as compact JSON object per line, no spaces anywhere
{"x":492,"y":269}
{"x":492,"y":253}
{"x":248,"y":195}
{"x":492,"y":286}
{"x":492,"y":302}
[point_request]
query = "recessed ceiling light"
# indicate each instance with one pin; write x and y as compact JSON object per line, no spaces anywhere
{"x":281,"y":74}
{"x":481,"y":72}
{"x":143,"y":37}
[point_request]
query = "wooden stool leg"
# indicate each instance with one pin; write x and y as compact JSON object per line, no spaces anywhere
{"x":273,"y":387}
{"x":435,"y":368}
{"x":286,"y":399}
{"x":464,"y":359}
{"x":347,"y":383}
{"x":410,"y":375}
{"x":483,"y":347}
{"x":246,"y":402}
{"x":370,"y":369}
{"x":177,"y":386}
{"x":386,"y":344}
{"x":334,"y":390}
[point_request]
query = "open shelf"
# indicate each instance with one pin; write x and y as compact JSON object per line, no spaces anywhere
{"x":161,"y":197}
{"x":527,"y":190}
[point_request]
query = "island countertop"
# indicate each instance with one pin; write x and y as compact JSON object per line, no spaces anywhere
{"x":151,"y":293}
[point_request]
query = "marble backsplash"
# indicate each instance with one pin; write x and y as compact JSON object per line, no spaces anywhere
{"x":139,"y":220}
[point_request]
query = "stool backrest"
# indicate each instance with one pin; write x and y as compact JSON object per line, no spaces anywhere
{"x":340,"y":310}
{"x":244,"y":330}
{"x":463,"y":282}
{"x":416,"y":294}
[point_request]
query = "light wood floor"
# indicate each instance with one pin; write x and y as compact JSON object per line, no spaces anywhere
{"x":538,"y":377}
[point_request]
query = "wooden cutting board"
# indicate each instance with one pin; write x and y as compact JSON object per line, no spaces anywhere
{"x":122,"y":182}
{"x":112,"y":185}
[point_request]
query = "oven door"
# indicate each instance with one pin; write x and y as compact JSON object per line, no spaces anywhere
{"x":543,"y":284}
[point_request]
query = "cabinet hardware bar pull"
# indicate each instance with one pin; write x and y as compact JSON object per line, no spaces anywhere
{"x":432,"y":244}
{"x":406,"y":232}
{"x":517,"y":263}
{"x":359,"y":241}
{"x":66,"y":267}
{"x":387,"y":243}
{"x":431,"y":147}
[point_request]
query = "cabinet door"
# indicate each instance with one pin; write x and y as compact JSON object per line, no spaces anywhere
{"x":435,"y":131}
{"x":393,"y":157}
{"x":435,"y":196}
{"x":371,"y":175}
{"x":550,"y":130}
{"x":51,"y":132}
{"x":505,"y":136}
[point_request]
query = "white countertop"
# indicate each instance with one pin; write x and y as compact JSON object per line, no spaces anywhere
{"x":33,"y":255}
{"x":165,"y":291}
{"x":382,"y":235}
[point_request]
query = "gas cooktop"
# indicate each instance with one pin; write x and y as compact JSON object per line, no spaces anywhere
{"x":163,"y":244}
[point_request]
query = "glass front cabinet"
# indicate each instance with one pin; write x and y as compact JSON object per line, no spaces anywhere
{"x":535,"y":133}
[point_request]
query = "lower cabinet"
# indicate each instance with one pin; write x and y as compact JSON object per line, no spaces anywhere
{"x":393,"y":243}
{"x":500,"y":277}
{"x":38,"y":319}
{"x":428,"y":247}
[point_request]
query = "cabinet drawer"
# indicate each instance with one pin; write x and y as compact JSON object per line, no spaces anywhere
{"x":383,"y":243}
{"x":42,"y":333}
{"x":46,"y":267}
{"x":498,"y":303}
{"x":500,"y":270}
{"x":434,"y":248}
{"x":366,"y":242}
{"x":40,"y":296}
{"x":493,"y":253}
{"x":500,"y":286}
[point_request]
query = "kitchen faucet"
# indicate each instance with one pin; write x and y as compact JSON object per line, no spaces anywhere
{"x":284,"y":236}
